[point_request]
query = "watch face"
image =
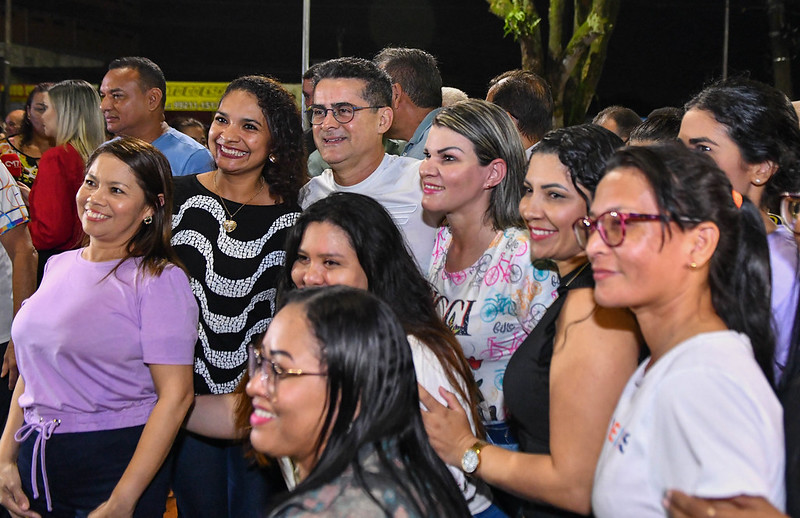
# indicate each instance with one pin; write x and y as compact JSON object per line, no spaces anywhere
{"x":469,"y":462}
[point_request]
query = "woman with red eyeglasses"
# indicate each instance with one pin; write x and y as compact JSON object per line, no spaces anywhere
{"x":682,"y":505}
{"x":563,"y":382}
{"x":669,"y":239}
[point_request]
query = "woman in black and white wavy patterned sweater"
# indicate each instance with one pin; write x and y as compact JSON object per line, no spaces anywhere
{"x":228,"y":229}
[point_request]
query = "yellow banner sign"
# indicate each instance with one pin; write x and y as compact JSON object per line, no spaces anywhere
{"x":194,"y":97}
{"x":204,"y":97}
{"x":181,"y":95}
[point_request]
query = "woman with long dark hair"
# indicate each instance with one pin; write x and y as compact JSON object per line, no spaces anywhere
{"x":334,"y":389}
{"x":751,"y":131}
{"x":681,"y":505}
{"x":229,"y":227}
{"x":350,"y":239}
{"x":25,"y":148}
{"x":668,"y":238}
{"x":104,"y":349}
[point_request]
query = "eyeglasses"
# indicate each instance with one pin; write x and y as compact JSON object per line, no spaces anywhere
{"x":790,"y":210}
{"x":342,"y":112}
{"x":270,"y":372}
{"x":611,"y":226}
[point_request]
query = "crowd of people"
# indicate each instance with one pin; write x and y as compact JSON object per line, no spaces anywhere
{"x":416,"y":307}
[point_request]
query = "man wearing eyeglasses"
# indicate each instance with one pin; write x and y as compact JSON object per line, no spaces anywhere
{"x":350,"y":113}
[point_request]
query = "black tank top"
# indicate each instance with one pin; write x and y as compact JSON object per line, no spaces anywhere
{"x":526,"y":383}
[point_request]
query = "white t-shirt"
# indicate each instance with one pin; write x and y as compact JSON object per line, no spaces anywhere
{"x":703,"y":420}
{"x":395,"y":184}
{"x":491,"y":307}
{"x":430,"y":374}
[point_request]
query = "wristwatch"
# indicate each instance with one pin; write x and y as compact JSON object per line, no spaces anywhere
{"x":471,"y":458}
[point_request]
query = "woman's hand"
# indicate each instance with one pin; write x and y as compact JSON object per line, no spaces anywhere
{"x":681,"y":505}
{"x":113,"y":508}
{"x":11,"y":495}
{"x":447,"y":426}
{"x":25,"y":191}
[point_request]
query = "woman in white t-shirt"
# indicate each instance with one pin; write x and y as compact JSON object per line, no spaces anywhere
{"x":487,"y":290}
{"x":689,"y":256}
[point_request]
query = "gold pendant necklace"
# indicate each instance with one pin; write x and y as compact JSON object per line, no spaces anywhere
{"x":229,"y":224}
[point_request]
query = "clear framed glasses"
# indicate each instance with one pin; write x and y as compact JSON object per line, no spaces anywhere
{"x":270,"y":372}
{"x":790,"y":210}
{"x":342,"y":112}
{"x":611,"y":226}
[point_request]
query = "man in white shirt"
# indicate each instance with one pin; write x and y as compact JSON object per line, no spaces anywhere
{"x":350,"y":113}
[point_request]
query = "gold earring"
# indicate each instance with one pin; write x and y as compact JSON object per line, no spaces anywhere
{"x":693,"y":265}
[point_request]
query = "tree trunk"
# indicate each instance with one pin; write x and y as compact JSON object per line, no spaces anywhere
{"x":572,"y":67}
{"x":781,"y":56}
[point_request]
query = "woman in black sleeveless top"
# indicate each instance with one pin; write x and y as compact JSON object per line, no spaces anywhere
{"x":563,"y":383}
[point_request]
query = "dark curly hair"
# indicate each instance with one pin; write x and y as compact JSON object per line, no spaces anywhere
{"x":584,"y":150}
{"x":286,"y":170}
{"x":761,"y":121}
{"x":689,"y":188}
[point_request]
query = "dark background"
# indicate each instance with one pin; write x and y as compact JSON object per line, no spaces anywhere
{"x":661,"y":52}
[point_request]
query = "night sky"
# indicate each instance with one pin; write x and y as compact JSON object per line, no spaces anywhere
{"x":661,"y":52}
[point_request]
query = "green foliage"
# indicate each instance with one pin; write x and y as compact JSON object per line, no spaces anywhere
{"x":573,"y":65}
{"x":519,"y":22}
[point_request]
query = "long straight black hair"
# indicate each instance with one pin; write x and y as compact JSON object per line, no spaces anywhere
{"x":372,"y":404}
{"x":392,"y":275}
{"x":689,"y":187}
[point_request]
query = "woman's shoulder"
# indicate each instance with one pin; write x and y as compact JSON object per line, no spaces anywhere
{"x":64,"y":153}
{"x":719,"y":359}
{"x":170,"y":275}
{"x":12,"y":145}
{"x":343,"y":497}
{"x":187,"y":185}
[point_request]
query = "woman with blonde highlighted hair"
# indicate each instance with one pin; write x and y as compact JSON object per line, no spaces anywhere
{"x":72,"y":117}
{"x":486,"y":289}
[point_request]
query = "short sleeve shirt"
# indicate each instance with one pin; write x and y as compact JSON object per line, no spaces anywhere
{"x":491,"y":307}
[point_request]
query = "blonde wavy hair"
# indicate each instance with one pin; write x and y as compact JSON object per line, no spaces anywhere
{"x":80,"y":121}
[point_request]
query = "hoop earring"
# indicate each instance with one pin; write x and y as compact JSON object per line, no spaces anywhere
{"x":272,"y":158}
{"x":148,"y":220}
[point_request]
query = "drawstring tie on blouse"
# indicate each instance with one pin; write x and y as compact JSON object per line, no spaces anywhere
{"x":45,"y":430}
